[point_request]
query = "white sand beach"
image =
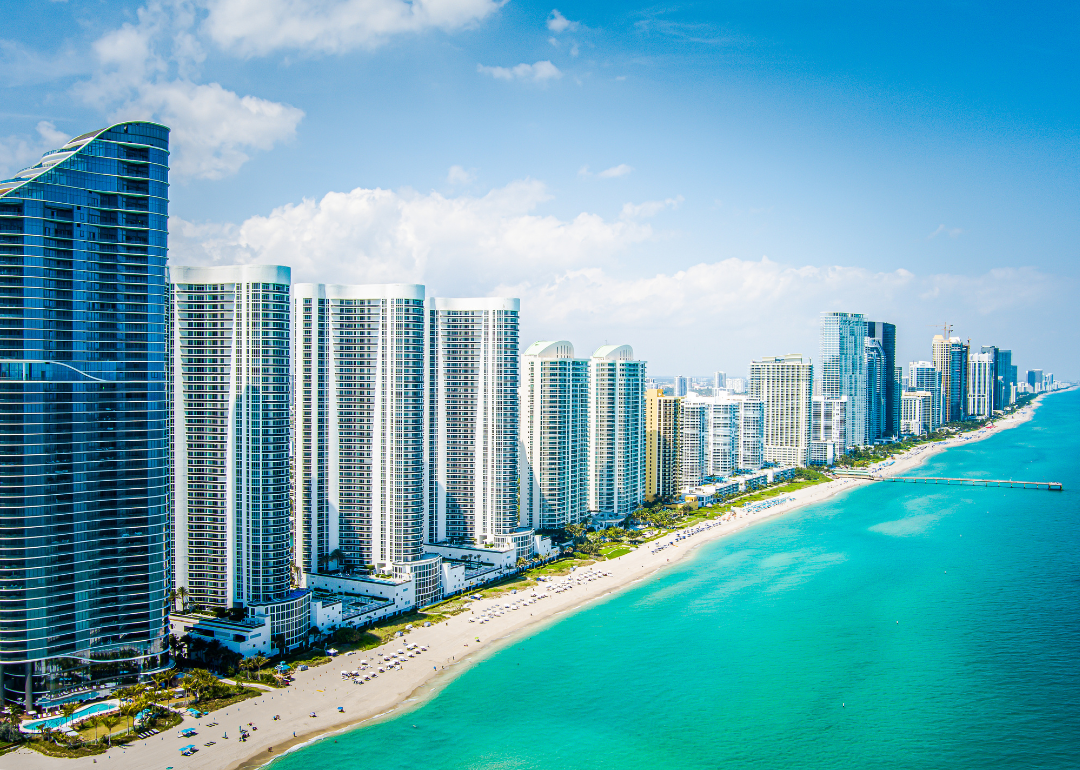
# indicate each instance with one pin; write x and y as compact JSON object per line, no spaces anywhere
{"x":452,"y":645}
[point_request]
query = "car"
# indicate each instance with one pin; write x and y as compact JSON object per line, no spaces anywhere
{"x":303,"y":667}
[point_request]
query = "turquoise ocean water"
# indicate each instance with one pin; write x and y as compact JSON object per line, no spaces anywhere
{"x":895,"y":626}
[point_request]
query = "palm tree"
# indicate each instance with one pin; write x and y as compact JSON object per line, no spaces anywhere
{"x":67,"y":709}
{"x":337,"y":556}
{"x":258,"y":662}
{"x":111,"y":721}
{"x":247,"y":664}
{"x":182,"y":594}
{"x":198,"y":682}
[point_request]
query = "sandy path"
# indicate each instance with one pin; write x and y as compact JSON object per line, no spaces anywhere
{"x":451,"y":646}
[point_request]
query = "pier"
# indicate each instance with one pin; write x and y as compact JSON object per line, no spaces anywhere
{"x":1052,"y":486}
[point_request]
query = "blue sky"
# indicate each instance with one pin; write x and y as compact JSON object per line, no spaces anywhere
{"x":696,"y":179}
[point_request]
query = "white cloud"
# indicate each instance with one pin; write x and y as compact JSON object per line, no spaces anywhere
{"x":212,"y":127}
{"x":18,"y":152}
{"x":147,"y":71}
{"x":649,"y":208}
{"x":952,"y":232}
{"x":615,"y":171}
{"x":466,"y":244}
{"x":590,"y":279}
{"x":259,"y":27}
{"x":558,"y":23}
{"x":540,"y":72}
{"x":458,"y":175}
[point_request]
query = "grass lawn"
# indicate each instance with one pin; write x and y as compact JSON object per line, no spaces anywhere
{"x":616,"y":552}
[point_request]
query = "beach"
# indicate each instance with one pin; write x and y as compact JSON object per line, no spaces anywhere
{"x":452,"y":645}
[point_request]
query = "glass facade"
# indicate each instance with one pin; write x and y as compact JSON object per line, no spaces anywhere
{"x":83,"y":466}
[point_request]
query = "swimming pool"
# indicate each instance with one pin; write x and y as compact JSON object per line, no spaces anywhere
{"x":60,"y":722}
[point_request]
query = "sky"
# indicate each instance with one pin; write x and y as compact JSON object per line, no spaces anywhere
{"x":698,"y":180}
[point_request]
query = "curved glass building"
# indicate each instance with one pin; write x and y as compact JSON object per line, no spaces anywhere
{"x":83,"y":466}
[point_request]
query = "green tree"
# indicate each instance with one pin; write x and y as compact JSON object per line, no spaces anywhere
{"x":259,"y":661}
{"x":199,"y":682}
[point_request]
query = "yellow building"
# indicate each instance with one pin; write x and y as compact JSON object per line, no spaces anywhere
{"x":661,"y":444}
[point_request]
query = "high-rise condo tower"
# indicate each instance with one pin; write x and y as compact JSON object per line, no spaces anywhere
{"x":554,"y":436}
{"x":473,"y":421}
{"x":885,"y":335}
{"x":842,"y":372}
{"x":616,"y":432}
{"x":230,"y":379}
{"x":785,"y":384}
{"x":83,"y":465}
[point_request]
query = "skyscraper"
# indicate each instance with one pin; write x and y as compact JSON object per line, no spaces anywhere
{"x":719,"y":381}
{"x":1004,"y":374}
{"x":662,"y":417}
{"x":950,"y":358}
{"x":680,"y":386}
{"x":980,"y":380}
{"x":616,"y":432}
{"x":924,"y":376}
{"x":473,"y":421}
{"x":842,"y":371}
{"x":230,"y":379}
{"x":358,"y":437}
{"x":885,"y":335}
{"x":877,"y":391}
{"x":554,"y":436}
{"x":83,"y":466}
{"x":785,"y":385}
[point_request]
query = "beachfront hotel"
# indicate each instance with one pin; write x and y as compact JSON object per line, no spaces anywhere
{"x":785,"y":385}
{"x":554,"y":436}
{"x":229,"y":360}
{"x":616,"y":433}
{"x":83,"y":466}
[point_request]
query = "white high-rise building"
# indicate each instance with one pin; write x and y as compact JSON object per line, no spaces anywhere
{"x":829,"y":429}
{"x":680,"y":386}
{"x":916,"y":412}
{"x":693,"y":441}
{"x":554,"y":455}
{"x":719,"y":436}
{"x":924,"y":376}
{"x":785,"y":384}
{"x":616,"y":432}
{"x":841,"y":372}
{"x":980,"y":385}
{"x":719,"y":381}
{"x":473,"y":426}
{"x":751,"y":433}
{"x":359,"y":491}
{"x":230,"y":379}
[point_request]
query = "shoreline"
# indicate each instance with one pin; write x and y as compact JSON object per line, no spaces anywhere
{"x":322,"y":690}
